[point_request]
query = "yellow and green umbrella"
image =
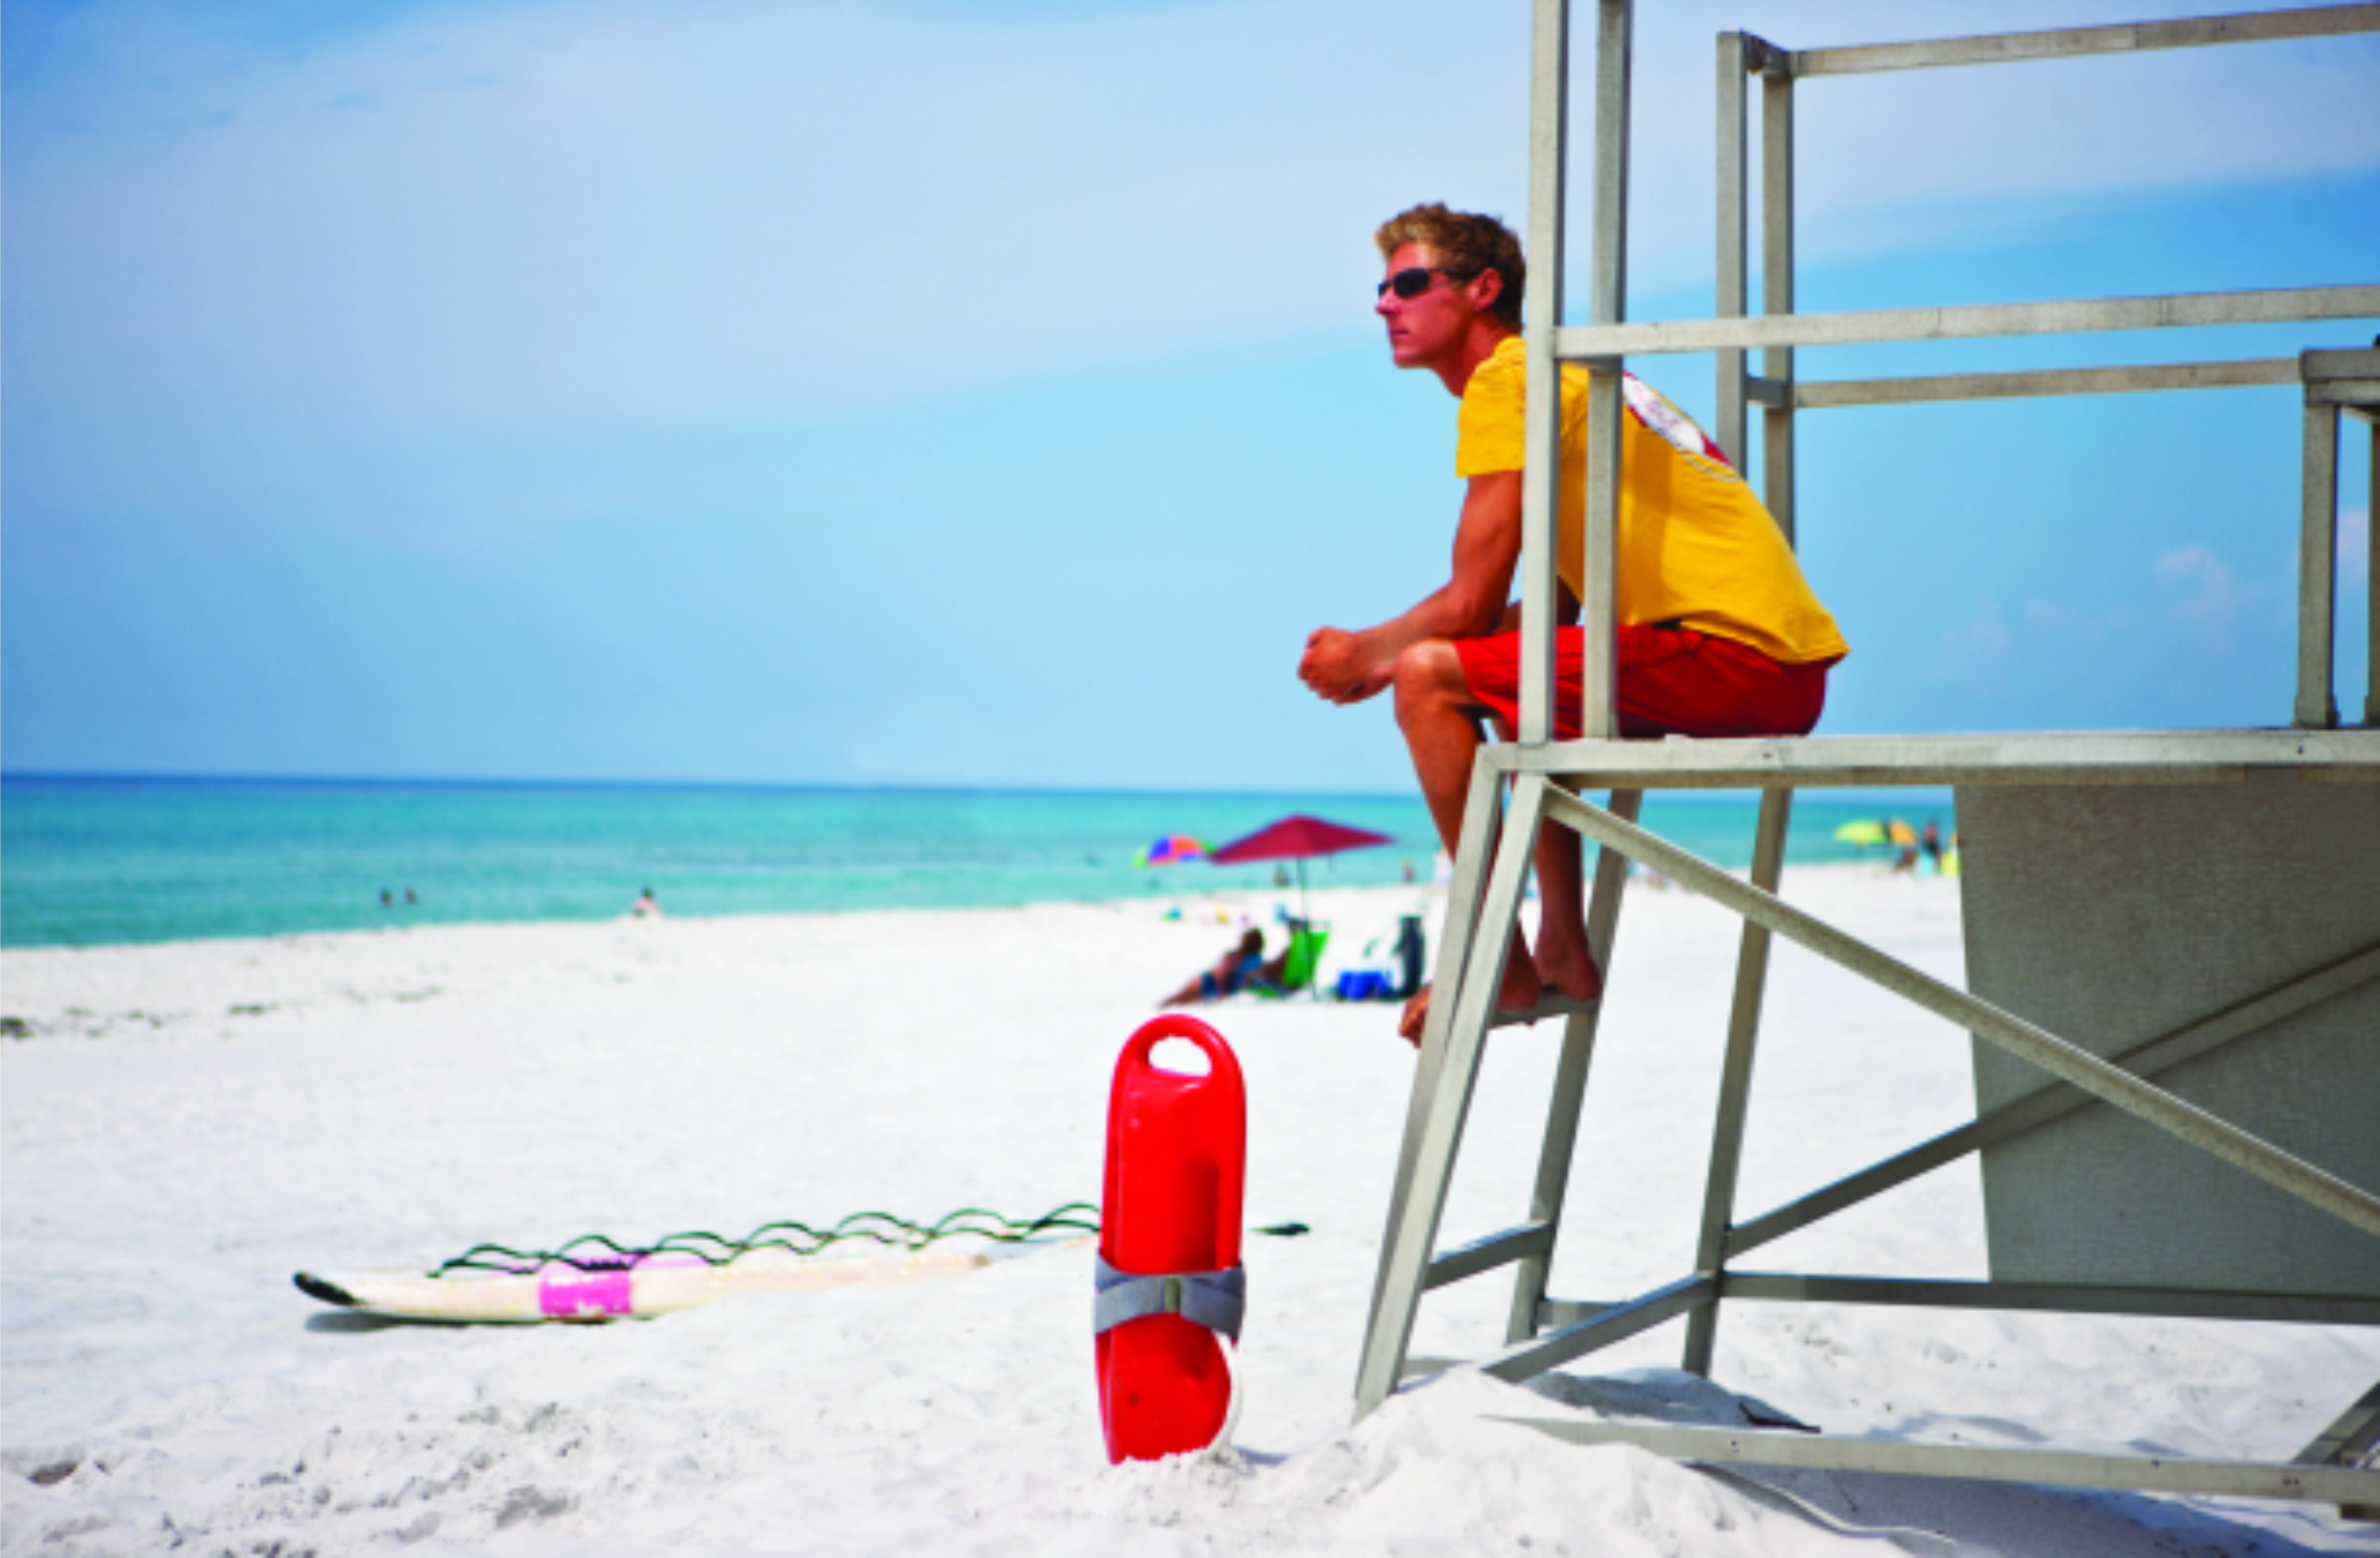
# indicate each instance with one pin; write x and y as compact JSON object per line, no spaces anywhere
{"x":1881,"y":831}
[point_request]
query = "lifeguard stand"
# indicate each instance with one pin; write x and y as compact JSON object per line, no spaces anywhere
{"x":2241,"y":972}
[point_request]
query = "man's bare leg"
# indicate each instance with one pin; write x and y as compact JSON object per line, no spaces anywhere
{"x":1564,"y":961}
{"x":1435,"y":709}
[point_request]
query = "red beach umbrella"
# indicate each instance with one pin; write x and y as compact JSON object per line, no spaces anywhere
{"x":1298,"y":839}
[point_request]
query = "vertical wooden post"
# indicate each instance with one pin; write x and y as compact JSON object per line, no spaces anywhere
{"x":1608,"y":305}
{"x":2317,"y":569}
{"x":1541,"y":477}
{"x":1734,"y":294}
{"x":1777,"y":278}
{"x":1735,"y":1079}
{"x":1570,"y":1081}
{"x":1448,"y":1069}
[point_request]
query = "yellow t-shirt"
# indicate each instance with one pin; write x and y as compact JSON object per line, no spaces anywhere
{"x":1695,"y":545}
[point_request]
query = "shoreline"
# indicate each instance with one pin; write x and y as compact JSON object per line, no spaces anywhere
{"x":113,"y":866}
{"x":1237,"y":900}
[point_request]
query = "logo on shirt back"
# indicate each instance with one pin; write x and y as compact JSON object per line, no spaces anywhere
{"x":1678,"y":429}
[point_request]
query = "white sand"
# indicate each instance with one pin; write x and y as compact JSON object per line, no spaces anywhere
{"x":171,"y":1158}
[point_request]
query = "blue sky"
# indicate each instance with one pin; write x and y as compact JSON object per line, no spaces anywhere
{"x":938,"y":394}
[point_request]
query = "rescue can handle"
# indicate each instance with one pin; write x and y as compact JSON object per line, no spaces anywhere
{"x":1223,"y":1070}
{"x":1222,"y":1064}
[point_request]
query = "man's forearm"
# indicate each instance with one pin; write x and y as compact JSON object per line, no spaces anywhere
{"x":1449,"y":614}
{"x":1348,"y":667}
{"x":1442,"y":614}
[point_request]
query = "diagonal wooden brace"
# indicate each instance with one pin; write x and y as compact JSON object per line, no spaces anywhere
{"x":2066,"y":1061}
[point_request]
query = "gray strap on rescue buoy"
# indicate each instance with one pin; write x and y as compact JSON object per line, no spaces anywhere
{"x":1213,"y":1299}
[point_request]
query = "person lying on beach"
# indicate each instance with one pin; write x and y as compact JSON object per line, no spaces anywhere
{"x":1718,"y":633}
{"x":1230,"y":975}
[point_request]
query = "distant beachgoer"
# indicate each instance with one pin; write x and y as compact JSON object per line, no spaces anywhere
{"x":1411,"y":951}
{"x":1280,"y":875}
{"x":1932,"y":843}
{"x":409,"y":898}
{"x":1228,"y":976}
{"x":1408,"y":872}
{"x":646,"y":906}
{"x":1719,"y":634}
{"x":387,"y":902}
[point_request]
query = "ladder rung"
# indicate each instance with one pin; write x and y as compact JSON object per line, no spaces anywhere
{"x":1496,"y":1249}
{"x":1554,"y":1313}
{"x":2348,"y":1441}
{"x":1552,"y":1006}
{"x":1614,"y":1323}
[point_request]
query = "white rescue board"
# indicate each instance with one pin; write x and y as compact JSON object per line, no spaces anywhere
{"x":636,"y":1288}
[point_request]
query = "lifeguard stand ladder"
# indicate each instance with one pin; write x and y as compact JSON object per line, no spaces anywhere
{"x":2216,"y":970}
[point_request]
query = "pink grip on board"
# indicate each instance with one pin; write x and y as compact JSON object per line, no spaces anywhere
{"x":564,"y":1294}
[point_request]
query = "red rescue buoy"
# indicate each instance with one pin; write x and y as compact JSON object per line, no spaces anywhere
{"x":1170,"y":1285}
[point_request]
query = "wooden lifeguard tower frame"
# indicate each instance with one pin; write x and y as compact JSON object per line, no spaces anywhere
{"x":2025,"y":779}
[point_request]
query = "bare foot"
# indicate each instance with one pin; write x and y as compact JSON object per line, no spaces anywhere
{"x":1522,"y":990}
{"x":1567,"y":966}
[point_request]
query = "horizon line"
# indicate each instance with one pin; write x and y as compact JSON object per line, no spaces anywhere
{"x":9,"y":775}
{"x":1866,"y":795}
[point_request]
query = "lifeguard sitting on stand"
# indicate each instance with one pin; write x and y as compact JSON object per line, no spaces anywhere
{"x":1719,"y":634}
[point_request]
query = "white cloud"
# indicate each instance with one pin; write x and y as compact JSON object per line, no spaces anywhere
{"x":2203,"y":592}
{"x":624,"y":215}
{"x":619,"y":212}
{"x":2196,"y":611}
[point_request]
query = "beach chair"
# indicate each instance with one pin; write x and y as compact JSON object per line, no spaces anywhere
{"x":1297,"y":965}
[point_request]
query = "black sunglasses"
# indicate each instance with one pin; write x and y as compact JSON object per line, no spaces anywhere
{"x":1409,"y":284}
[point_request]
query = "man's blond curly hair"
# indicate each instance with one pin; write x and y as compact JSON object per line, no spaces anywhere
{"x":1466,"y":245}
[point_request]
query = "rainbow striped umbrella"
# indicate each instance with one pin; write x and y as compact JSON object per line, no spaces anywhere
{"x":1172,"y":849}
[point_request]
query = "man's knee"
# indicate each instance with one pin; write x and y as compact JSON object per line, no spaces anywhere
{"x":1429,"y":679}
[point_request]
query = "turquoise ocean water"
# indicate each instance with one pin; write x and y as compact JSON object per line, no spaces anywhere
{"x":88,"y":862}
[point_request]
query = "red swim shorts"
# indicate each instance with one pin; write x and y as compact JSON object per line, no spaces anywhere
{"x":1673,"y":681}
